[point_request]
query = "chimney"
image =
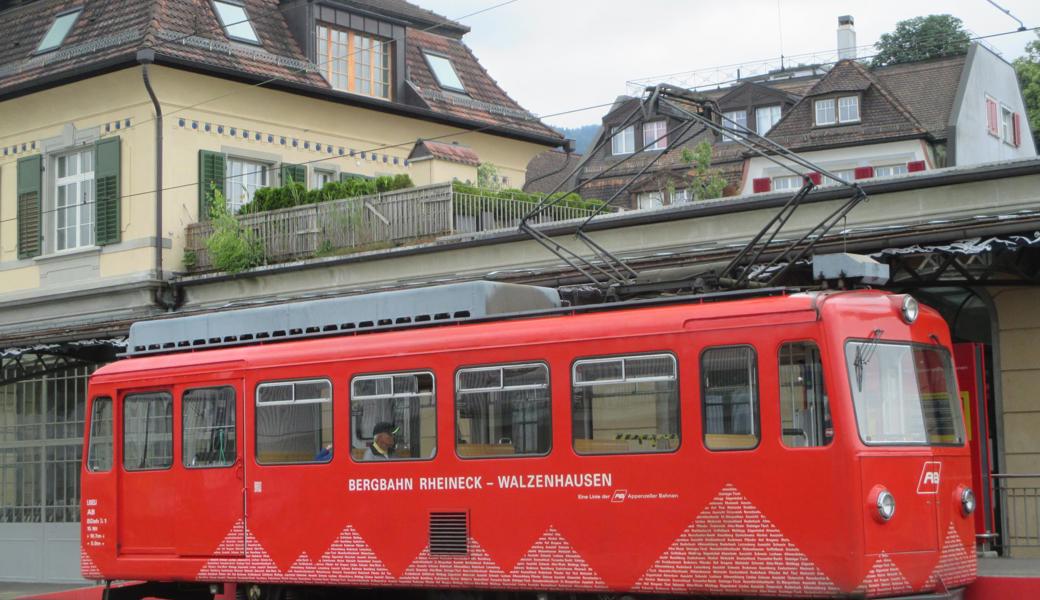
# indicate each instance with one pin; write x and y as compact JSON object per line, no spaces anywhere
{"x":846,"y":37}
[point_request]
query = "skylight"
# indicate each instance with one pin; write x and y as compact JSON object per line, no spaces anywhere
{"x":59,"y":29}
{"x":235,"y":21}
{"x":445,"y":73}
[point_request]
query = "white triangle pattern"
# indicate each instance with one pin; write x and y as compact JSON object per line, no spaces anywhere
{"x":87,"y":567}
{"x":957,"y":565}
{"x":884,"y":579}
{"x":552,"y":561}
{"x":732,"y":548}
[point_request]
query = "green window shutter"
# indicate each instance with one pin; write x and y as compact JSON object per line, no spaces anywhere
{"x":30,"y":213}
{"x":294,"y":173}
{"x":107,"y":197}
{"x":212,"y":167}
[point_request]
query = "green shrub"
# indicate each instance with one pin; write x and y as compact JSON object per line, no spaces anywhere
{"x":232,"y":247}
{"x":466,"y":205}
{"x":296,"y":194}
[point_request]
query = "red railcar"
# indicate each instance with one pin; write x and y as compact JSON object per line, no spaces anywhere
{"x":802,"y":445}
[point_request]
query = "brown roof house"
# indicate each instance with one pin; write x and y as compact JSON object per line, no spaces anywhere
{"x":118,"y":119}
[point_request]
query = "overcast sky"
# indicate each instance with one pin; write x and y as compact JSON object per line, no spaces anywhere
{"x":559,"y":55}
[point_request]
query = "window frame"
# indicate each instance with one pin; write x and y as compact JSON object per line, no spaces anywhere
{"x":756,"y":421}
{"x":799,"y":182}
{"x":657,"y":144}
{"x":256,"y":428}
{"x":837,"y":108}
{"x":78,"y":11}
{"x":427,"y":55}
{"x":391,"y":374}
{"x":728,"y":122}
{"x":816,"y":112}
{"x":779,"y":114}
{"x":235,"y":426}
{"x":122,"y":430}
{"x":225,"y":26}
{"x":894,"y":167}
{"x":619,"y":134}
{"x":111,"y":438}
{"x":52,"y":182}
{"x":499,"y":366}
{"x":350,"y":56}
{"x":317,"y":172}
{"x":826,"y":395}
{"x":622,"y":357}
{"x":656,"y":198}
{"x":230,"y":157}
{"x":1006,"y":127}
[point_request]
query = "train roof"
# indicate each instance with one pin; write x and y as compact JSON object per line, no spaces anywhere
{"x":576,"y":323}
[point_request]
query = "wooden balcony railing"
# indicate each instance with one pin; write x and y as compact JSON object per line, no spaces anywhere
{"x":371,"y":222}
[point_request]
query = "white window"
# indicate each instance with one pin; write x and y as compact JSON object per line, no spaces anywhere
{"x":846,"y":174}
{"x":825,"y":112}
{"x":74,"y":200}
{"x":848,"y":109}
{"x":787,"y":182}
{"x":890,"y":170}
{"x":655,"y":135}
{"x":242,"y":180}
{"x":650,"y":199}
{"x":1007,"y":126}
{"x":624,"y":140}
{"x":765,"y":118}
{"x":319,"y":178}
{"x":682,"y":196}
{"x":235,"y":21}
{"x":734,"y":119}
{"x":444,"y":71}
{"x":59,"y":29}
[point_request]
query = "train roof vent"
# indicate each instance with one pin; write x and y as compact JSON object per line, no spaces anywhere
{"x":449,"y":533}
{"x":348,"y":314}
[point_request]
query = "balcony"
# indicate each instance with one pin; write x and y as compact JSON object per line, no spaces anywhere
{"x":402,"y":217}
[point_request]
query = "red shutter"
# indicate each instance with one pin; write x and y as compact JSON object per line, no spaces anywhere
{"x":1016,"y":129}
{"x":991,"y":117}
{"x":815,"y":178}
{"x":915,"y":166}
{"x":761,"y":184}
{"x":864,"y":172}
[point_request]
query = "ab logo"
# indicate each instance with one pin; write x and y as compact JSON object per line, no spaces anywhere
{"x":929,"y":482}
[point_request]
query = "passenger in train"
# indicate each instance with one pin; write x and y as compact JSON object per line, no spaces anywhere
{"x":383,"y":442}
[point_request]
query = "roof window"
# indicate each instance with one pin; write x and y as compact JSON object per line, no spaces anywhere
{"x":444,"y":71}
{"x":59,"y":29}
{"x":235,"y":21}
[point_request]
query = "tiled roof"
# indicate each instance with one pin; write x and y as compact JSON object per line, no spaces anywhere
{"x":550,"y":171}
{"x":483,"y":100}
{"x":444,"y":151}
{"x":187,"y":32}
{"x":927,"y":89}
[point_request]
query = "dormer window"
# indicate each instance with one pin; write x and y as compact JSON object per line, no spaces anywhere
{"x":735,"y":120}
{"x":444,"y":72}
{"x":59,"y":29}
{"x":655,"y":135}
{"x":765,"y":118}
{"x":834,"y":111}
{"x":623,"y":141}
{"x":235,"y":21}
{"x":355,"y":62}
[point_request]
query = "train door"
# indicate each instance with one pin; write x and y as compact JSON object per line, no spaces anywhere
{"x":971,"y":379}
{"x":211,"y":510}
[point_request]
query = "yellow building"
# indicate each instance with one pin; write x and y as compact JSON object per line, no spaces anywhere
{"x":111,"y":114}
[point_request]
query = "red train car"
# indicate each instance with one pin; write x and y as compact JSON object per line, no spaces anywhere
{"x":800,"y":445}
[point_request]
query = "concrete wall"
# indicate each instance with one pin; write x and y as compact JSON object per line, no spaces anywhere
{"x":988,"y":74}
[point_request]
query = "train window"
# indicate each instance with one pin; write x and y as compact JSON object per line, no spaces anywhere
{"x":147,"y":431}
{"x":294,"y":422}
{"x":805,"y":417}
{"x":502,"y":411}
{"x":393,"y":417}
{"x":99,"y":453}
{"x":209,"y":427}
{"x":730,"y":398}
{"x":625,"y":404}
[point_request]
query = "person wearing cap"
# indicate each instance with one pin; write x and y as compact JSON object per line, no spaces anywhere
{"x":383,"y":442}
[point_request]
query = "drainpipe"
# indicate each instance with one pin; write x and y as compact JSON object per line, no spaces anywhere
{"x":146,"y":57}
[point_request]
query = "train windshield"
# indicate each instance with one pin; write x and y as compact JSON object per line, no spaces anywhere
{"x":904,"y":394}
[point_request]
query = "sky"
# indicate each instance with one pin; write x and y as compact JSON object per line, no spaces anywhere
{"x":556,"y":56}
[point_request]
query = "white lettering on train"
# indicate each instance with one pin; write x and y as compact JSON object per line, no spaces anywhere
{"x":555,"y":480}
{"x":380,"y":484}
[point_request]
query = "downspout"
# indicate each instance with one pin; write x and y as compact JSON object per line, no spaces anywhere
{"x":166,"y":301}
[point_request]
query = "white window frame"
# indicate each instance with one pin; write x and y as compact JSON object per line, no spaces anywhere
{"x":773,"y":115}
{"x":785,"y":183}
{"x":78,"y":216}
{"x":652,"y":130}
{"x":430,"y":395}
{"x":1006,"y":123}
{"x":736,"y":120}
{"x":623,"y":140}
{"x":821,"y":108}
{"x":893,"y":170}
{"x":681,"y":196}
{"x":318,"y":174}
{"x":649,"y":200}
{"x":238,"y":193}
{"x":847,"y":174}
{"x":846,"y":104}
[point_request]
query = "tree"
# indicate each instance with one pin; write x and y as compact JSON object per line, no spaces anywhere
{"x":704,"y":182}
{"x":487,"y":177}
{"x":1028,"y":69}
{"x":921,"y":38}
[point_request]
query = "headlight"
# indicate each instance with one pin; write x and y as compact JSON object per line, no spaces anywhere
{"x":967,"y":501}
{"x":886,"y":505}
{"x":910,"y":309}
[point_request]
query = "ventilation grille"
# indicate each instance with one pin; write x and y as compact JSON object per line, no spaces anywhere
{"x":449,"y":532}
